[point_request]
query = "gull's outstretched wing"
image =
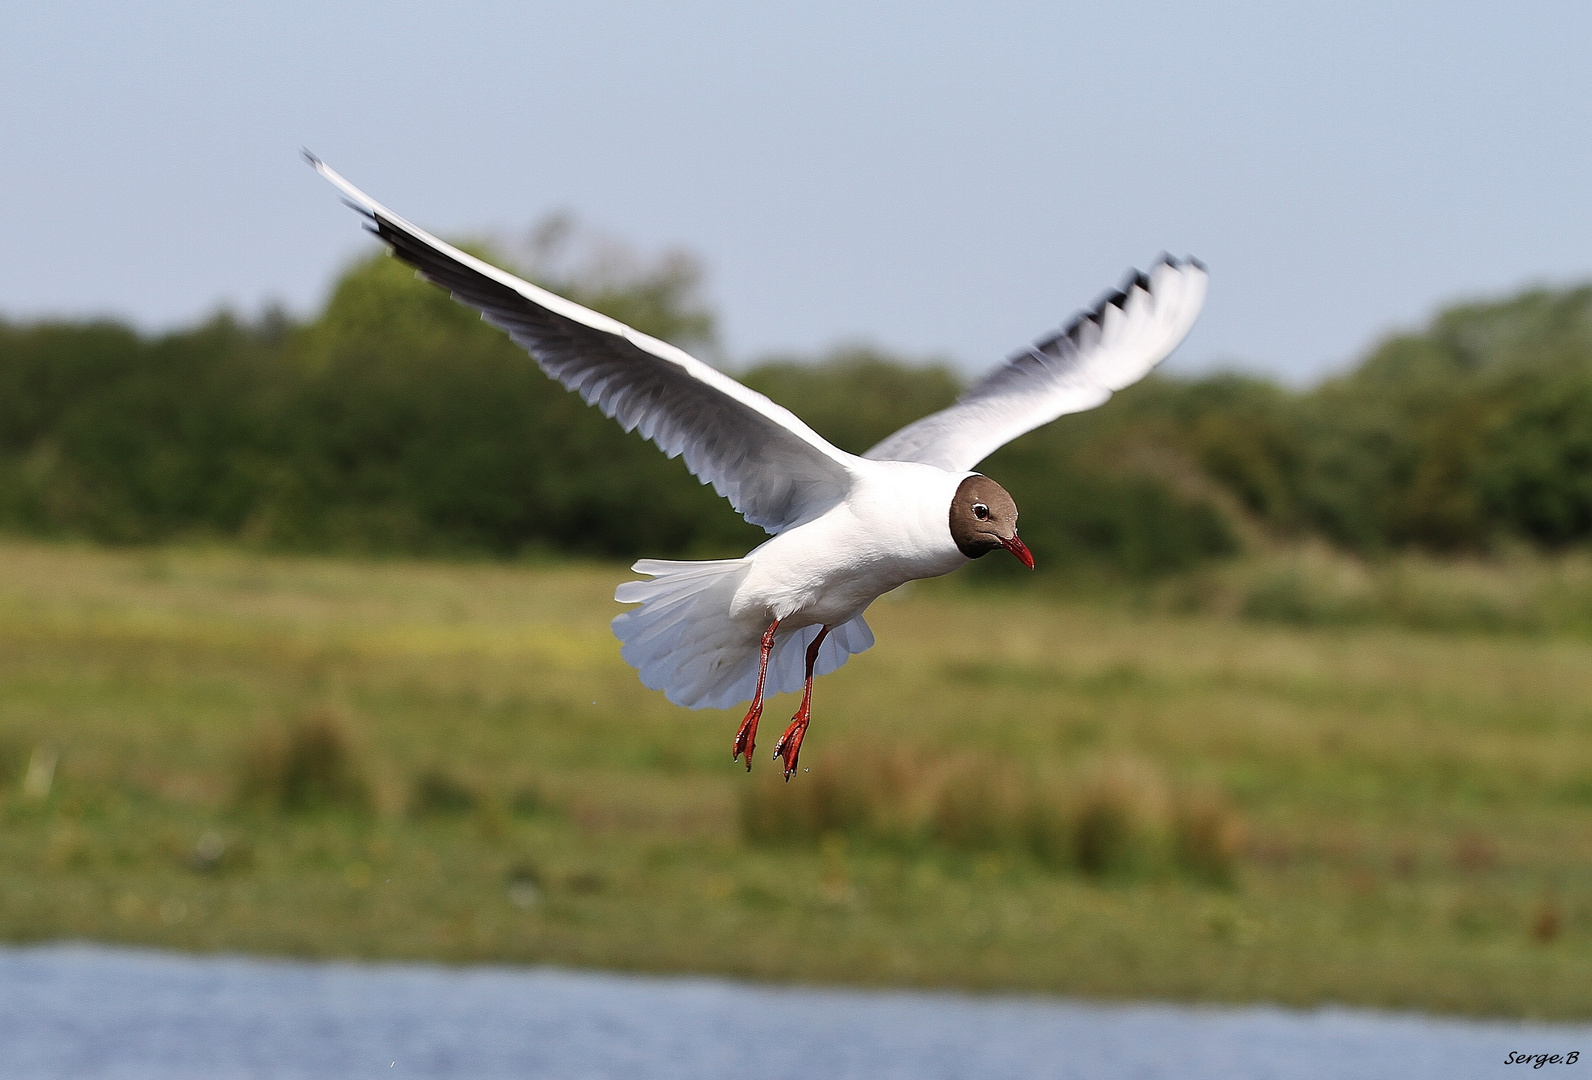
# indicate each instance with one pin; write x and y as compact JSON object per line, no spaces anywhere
{"x":773,"y":468}
{"x":1076,"y":368}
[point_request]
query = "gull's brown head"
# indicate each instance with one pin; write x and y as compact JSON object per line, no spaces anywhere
{"x":983,"y":518}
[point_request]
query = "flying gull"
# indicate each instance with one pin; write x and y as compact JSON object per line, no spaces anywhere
{"x":845,"y":529}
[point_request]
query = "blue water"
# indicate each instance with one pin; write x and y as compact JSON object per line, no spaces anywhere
{"x":86,"y":1012}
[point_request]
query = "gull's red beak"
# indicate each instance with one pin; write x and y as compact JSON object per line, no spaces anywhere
{"x":1020,"y":549}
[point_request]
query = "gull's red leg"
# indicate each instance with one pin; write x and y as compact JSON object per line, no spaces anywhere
{"x":790,"y":743}
{"x":746,"y":738}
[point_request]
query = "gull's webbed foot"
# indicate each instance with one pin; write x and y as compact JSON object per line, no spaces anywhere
{"x":790,"y":743}
{"x":746,"y":737}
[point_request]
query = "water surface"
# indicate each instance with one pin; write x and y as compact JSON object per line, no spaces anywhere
{"x":87,"y":1012}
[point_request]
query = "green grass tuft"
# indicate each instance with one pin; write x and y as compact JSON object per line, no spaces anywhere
{"x":312,"y":767}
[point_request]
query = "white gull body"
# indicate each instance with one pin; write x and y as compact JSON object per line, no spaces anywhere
{"x":846,"y":529}
{"x":894,"y":527}
{"x":697,"y":632}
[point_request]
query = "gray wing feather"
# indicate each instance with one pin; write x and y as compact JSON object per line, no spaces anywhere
{"x":772,"y":468}
{"x":1077,"y":368}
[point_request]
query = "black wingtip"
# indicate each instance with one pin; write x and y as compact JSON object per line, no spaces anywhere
{"x":1111,"y":298}
{"x":1168,"y":259}
{"x":1114,"y":298}
{"x":1142,"y":280}
{"x":310,"y":156}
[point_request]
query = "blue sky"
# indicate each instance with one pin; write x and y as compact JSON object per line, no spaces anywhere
{"x":940,"y":179}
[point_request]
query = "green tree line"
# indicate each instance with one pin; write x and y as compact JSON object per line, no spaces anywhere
{"x":395,"y":421}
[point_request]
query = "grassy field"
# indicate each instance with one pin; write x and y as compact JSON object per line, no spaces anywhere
{"x":1404,"y":816}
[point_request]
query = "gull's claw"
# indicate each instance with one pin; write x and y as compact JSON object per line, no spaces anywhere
{"x":746,"y":737}
{"x":790,"y":743}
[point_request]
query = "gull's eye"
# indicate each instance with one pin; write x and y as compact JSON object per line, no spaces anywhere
{"x":981,"y":511}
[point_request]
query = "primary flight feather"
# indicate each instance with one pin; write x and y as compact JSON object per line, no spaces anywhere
{"x":846,"y":529}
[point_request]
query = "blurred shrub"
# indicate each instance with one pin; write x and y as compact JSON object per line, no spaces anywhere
{"x":978,"y":805}
{"x":213,"y":852}
{"x":1209,"y":836}
{"x":1307,"y":595}
{"x":1548,"y":922}
{"x":1119,"y":820}
{"x":1518,"y":590}
{"x":396,"y":420}
{"x":528,"y":800}
{"x":311,"y":767}
{"x":585,"y":882}
{"x":855,"y":396}
{"x":842,"y":793}
{"x":525,"y":884}
{"x":437,"y":791}
{"x":13,"y":759}
{"x":1115,"y":819}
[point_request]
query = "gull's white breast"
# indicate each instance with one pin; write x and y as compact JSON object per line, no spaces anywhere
{"x":894,"y":527}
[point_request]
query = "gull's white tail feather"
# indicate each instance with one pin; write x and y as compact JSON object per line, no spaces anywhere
{"x":682,"y":641}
